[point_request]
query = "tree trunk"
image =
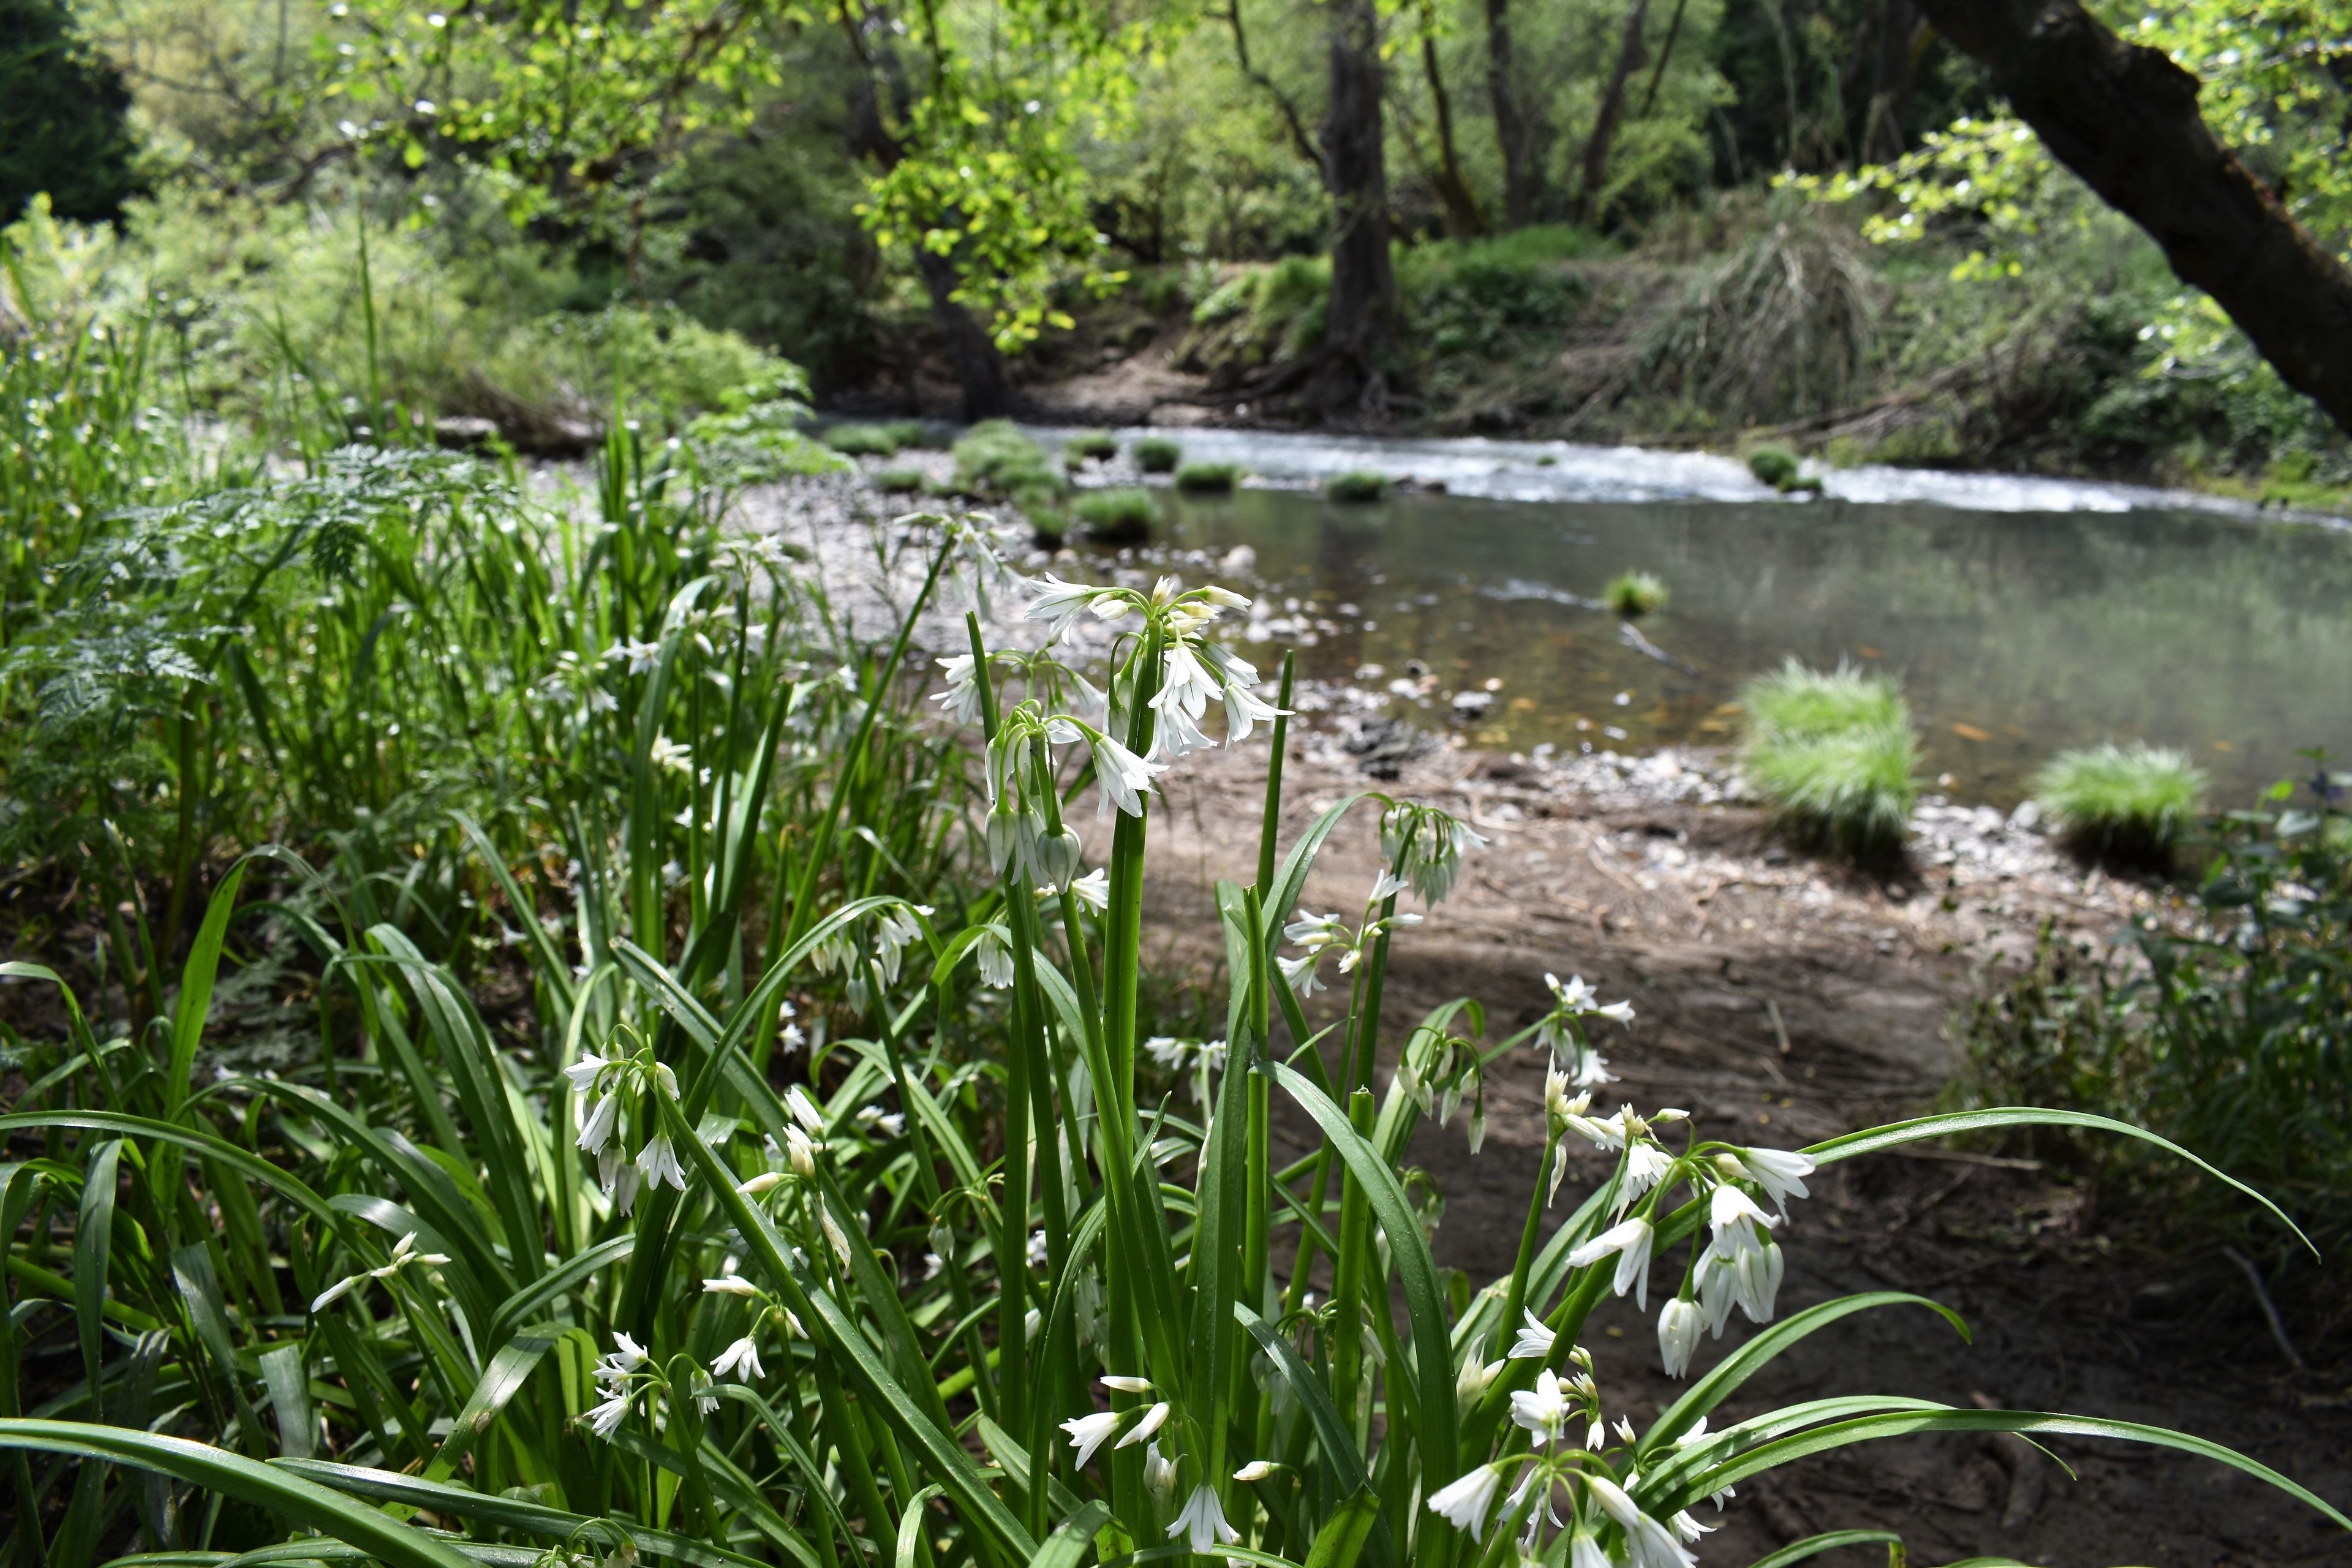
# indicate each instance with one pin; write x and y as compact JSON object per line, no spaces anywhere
{"x":1519,"y":134}
{"x":1890,"y":87}
{"x":1632,"y":51}
{"x":971,"y":353}
{"x":1360,"y":321}
{"x":2124,"y":118}
{"x":1462,"y":215}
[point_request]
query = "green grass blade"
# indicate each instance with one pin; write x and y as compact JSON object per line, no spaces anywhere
{"x":1341,"y":1540}
{"x":1291,"y":880}
{"x":1071,"y":1539}
{"x":910,"y":1530}
{"x":287,"y":1378}
{"x":556,"y":1284}
{"x":290,"y":1495}
{"x":1828,"y":1541}
{"x":93,"y":1247}
{"x":1899,"y":1133}
{"x":197,"y":978}
{"x":501,"y":1382}
{"x":1750,"y":1359}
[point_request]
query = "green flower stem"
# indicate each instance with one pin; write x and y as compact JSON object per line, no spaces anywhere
{"x":1347,"y":1289}
{"x":1515,"y":1298}
{"x":1270,"y":823}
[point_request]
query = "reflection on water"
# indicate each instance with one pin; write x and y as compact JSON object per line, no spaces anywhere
{"x":2015,"y":633}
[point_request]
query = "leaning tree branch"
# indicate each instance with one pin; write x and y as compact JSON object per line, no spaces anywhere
{"x":2123,"y":117}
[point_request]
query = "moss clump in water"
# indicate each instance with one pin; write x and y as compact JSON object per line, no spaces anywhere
{"x":1631,"y":594}
{"x":2129,"y":803}
{"x":995,"y":460}
{"x":1358,"y":485}
{"x":1208,"y":478}
{"x":1096,"y":444}
{"x":1779,"y":466}
{"x":1118,"y":517}
{"x":1157,"y":455}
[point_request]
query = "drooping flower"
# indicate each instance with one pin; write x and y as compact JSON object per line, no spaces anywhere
{"x":665,"y":753}
{"x":742,"y":1357}
{"x":1466,"y":1502}
{"x":603,"y":1418}
{"x":1737,"y":1221}
{"x":582,"y":1073}
{"x":1143,"y":1431}
{"x":801,"y":1151}
{"x":729,"y":1285}
{"x":1094,"y":890}
{"x":804,"y":1110}
{"x":1244,"y":710}
{"x":1125,"y":777}
{"x":1088,"y":1433}
{"x":1781,"y":1173}
{"x":1542,"y":1411}
{"x":1679,"y":1322}
{"x":659,"y":1163}
{"x":1584,"y":1551}
{"x":1756,"y":1280}
{"x":1255,"y":1470}
{"x":1650,"y":1543}
{"x":1202,"y":1519}
{"x":1646,"y":1165}
{"x":1159,"y":1473}
{"x":962,"y":698}
{"x":1059,"y":602}
{"x":1126,"y":1384}
{"x":596,"y":1129}
{"x":1630,"y":1240}
{"x":1535,"y":1341}
{"x":1689,"y":1528}
{"x":1471,"y":1383}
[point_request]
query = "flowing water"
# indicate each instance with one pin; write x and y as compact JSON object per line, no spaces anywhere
{"x":2024,"y":615}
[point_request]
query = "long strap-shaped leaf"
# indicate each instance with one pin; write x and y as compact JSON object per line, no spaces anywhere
{"x":1897,"y":1132}
{"x":1749,"y":1360}
{"x":1434,"y":1432}
{"x":1828,"y":1541}
{"x":196,"y":987}
{"x":264,"y":1486}
{"x":505,"y":1512}
{"x":1905,"y":1423}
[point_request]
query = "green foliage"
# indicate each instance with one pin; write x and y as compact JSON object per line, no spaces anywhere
{"x":1494,"y":298}
{"x":1118,"y":517}
{"x":1157,"y":455}
{"x":1774,"y":465}
{"x":1834,"y":754}
{"x":1208,"y":478}
{"x":2131,"y":801}
{"x":64,"y":112}
{"x":2228,"y":1033}
{"x":1092,"y":443}
{"x":993,"y":459}
{"x":898,"y":481}
{"x":863,"y":440}
{"x":1358,"y":485}
{"x":1631,"y":594}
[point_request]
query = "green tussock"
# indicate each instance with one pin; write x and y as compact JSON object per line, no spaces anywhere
{"x":1211,"y":478}
{"x":898,"y":481}
{"x":1635,"y":593}
{"x":2134,"y":800}
{"x":1834,"y":754}
{"x":995,"y":460}
{"x":863,"y":440}
{"x":1157,"y":455}
{"x":1097,"y":444}
{"x":1774,"y":465}
{"x":1116,"y":517}
{"x":1358,"y":485}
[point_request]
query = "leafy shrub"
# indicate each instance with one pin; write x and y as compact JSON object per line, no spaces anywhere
{"x":1630,"y":594}
{"x":65,"y":128}
{"x":1357,"y":485}
{"x":1118,"y":517}
{"x":1774,"y":465}
{"x":863,"y":440}
{"x":2134,"y":801}
{"x":995,"y":459}
{"x":1095,"y":443}
{"x":1834,"y":754}
{"x":1157,"y":455}
{"x":1208,"y":478}
{"x":898,"y":481}
{"x":1494,"y":298}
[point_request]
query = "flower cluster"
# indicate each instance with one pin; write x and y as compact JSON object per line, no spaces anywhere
{"x":611,"y":1104}
{"x":891,"y":930}
{"x":1423,"y":847}
{"x":404,"y":1253}
{"x":1202,"y":1521}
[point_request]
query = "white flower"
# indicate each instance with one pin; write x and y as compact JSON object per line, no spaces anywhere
{"x":766,"y":1181}
{"x":1088,"y":1433}
{"x":995,"y":959}
{"x":1094,"y":890}
{"x":801,"y":1151}
{"x":1037,"y":1250}
{"x":1159,"y":1473}
{"x":1184,"y":683}
{"x":335,"y":1292}
{"x":834,"y":1239}
{"x":1584,"y":1551}
{"x":1679,"y":1322}
{"x":1630,"y":1240}
{"x":640,"y":655}
{"x":1592,"y":1070}
{"x":1735,"y":1217}
{"x":596,"y":1130}
{"x":659,"y":1163}
{"x":1542,"y":1410}
{"x":1646,"y":1165}
{"x":1142,"y":1431}
{"x":1126,"y":1384}
{"x":1466,"y":1502}
{"x":1298,"y":973}
{"x":804,"y":1110}
{"x":742,"y":1357}
{"x":1535,"y":1341}
{"x":1756,"y":1280}
{"x":1689,"y":1528}
{"x":1125,"y":777}
{"x":705,"y":1398}
{"x":582,"y":1073}
{"x":1781,"y":1173}
{"x":616,"y":1364}
{"x":889,"y":1123}
{"x":729,"y":1285}
{"x":1204,"y":1520}
{"x":1255,"y":1470}
{"x":1061,"y":603}
{"x":668,"y":754}
{"x":604,"y":1417}
{"x":1650,"y":1543}
{"x":1475,"y":1130}
{"x":962,"y":698}
{"x":1244,"y":710}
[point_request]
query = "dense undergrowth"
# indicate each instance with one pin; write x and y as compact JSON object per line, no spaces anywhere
{"x":542,"y":1050}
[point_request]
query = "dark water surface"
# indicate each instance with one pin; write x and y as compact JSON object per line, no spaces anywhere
{"x":2015,"y":634}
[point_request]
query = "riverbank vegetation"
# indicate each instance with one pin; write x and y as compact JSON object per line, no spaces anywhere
{"x":1834,"y":754}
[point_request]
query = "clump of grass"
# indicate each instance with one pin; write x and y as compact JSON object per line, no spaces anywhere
{"x":1779,"y":466}
{"x":863,"y":440}
{"x":1118,"y":517}
{"x":1834,"y":754}
{"x":2132,"y":802}
{"x":909,"y":433}
{"x":993,"y":459}
{"x":1357,"y":485}
{"x":1086,"y":443}
{"x":1208,"y":478}
{"x":898,"y":481}
{"x":1631,"y":594}
{"x":1157,"y":455}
